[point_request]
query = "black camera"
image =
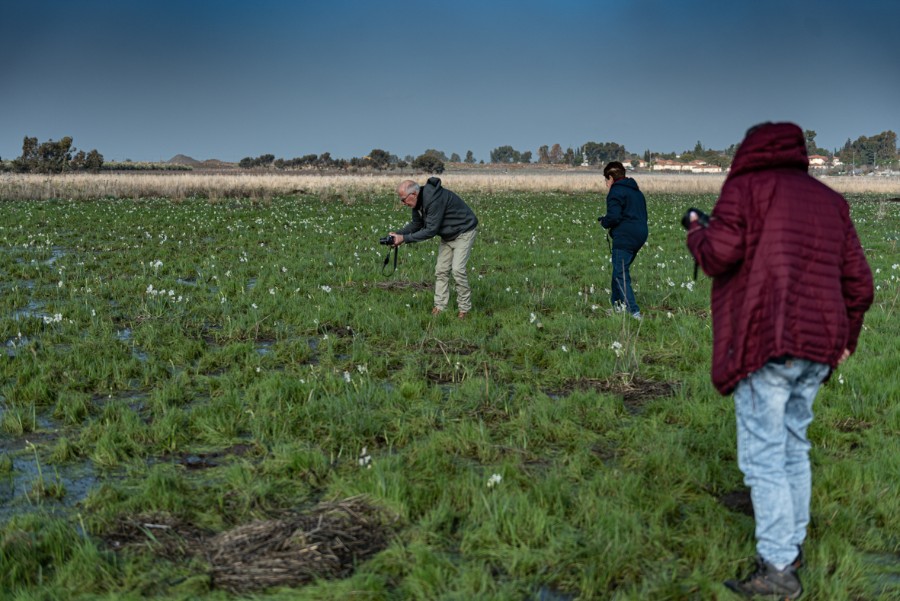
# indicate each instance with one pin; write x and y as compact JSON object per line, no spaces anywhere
{"x":387,"y":241}
{"x":702,"y":218}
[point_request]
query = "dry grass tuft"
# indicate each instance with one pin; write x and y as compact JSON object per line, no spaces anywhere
{"x":345,"y":188}
{"x":325,"y":542}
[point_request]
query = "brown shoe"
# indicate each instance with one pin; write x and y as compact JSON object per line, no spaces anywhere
{"x":767,"y":581}
{"x":436,"y":311}
{"x":461,"y":315}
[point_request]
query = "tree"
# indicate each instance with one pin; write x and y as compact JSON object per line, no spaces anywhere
{"x":429,"y":163}
{"x":28,"y":160}
{"x":437,"y":153}
{"x":556,"y":154}
{"x":470,"y":158}
{"x":48,"y":157}
{"x":876,"y":150}
{"x":811,"y":147}
{"x":454,"y":158}
{"x":810,"y":136}
{"x":379,"y":159}
{"x":601,"y":153}
{"x":544,"y":155}
{"x":508,"y":154}
{"x":93,"y":161}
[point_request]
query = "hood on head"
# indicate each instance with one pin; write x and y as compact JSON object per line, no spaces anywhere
{"x":770,"y":146}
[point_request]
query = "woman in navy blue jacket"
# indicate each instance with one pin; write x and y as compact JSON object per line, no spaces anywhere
{"x":626,"y":220}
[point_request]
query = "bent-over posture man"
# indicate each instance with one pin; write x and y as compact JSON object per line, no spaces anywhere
{"x":436,"y":211}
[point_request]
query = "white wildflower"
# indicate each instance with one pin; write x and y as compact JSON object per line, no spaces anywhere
{"x":327,"y":289}
{"x":494,"y":480}
{"x":365,"y":460}
{"x":346,"y":376}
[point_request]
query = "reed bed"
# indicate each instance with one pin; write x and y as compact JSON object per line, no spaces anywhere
{"x":84,"y":186}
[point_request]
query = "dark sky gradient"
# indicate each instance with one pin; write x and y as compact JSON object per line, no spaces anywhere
{"x":223,"y":79}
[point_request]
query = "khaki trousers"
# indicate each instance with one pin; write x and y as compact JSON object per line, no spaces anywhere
{"x":453,"y":256}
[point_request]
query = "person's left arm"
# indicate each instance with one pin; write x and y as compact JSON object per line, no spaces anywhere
{"x":615,"y":207}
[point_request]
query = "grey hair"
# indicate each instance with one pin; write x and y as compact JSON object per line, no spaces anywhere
{"x":411,"y":188}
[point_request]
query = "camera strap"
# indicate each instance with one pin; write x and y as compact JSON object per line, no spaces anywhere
{"x":387,"y":258}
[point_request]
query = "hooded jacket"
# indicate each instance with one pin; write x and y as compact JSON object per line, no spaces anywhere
{"x":626,"y":215}
{"x":789,"y":274}
{"x":438,"y":212}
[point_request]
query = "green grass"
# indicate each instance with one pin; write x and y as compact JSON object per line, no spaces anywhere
{"x":140,"y":333}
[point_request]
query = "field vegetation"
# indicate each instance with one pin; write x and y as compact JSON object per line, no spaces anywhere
{"x":206,"y":382}
{"x":269,"y":185}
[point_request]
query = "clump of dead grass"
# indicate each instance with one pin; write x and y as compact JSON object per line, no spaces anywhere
{"x":291,"y":550}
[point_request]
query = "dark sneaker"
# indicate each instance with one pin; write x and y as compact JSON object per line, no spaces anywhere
{"x":769,"y":582}
{"x":798,"y":561}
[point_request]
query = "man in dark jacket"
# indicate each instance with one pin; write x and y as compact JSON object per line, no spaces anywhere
{"x":626,"y":220}
{"x":437,"y":211}
{"x":790,"y":287}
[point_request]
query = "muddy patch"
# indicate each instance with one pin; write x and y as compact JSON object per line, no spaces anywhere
{"x":634,"y":390}
{"x":163,"y":535}
{"x":337,"y":331}
{"x":200,"y":461}
{"x":433,"y":346}
{"x":403,"y":285}
{"x":738,"y":501}
{"x":851,"y":424}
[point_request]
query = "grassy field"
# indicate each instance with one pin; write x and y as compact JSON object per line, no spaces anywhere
{"x":184,"y":380}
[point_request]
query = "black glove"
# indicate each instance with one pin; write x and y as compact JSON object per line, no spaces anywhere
{"x":702,"y":218}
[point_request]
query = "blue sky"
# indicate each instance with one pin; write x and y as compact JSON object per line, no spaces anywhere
{"x":148,"y":80}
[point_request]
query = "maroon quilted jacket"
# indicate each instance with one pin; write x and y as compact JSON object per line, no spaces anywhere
{"x":790,"y":276}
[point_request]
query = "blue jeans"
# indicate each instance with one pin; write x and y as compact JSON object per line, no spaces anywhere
{"x":622,"y":294}
{"x":773,"y":407}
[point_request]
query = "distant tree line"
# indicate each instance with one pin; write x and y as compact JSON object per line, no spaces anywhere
{"x":58,"y":156}
{"x":430,"y":161}
{"x":880,"y":149}
{"x":54,"y":156}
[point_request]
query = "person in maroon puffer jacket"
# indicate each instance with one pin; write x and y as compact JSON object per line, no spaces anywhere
{"x":790,"y":287}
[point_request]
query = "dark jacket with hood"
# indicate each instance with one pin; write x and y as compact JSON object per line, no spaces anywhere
{"x":626,"y":215}
{"x":789,"y":274}
{"x":438,"y":212}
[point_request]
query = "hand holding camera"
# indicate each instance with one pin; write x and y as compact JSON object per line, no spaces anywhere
{"x":702,"y":218}
{"x":387,"y":240}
